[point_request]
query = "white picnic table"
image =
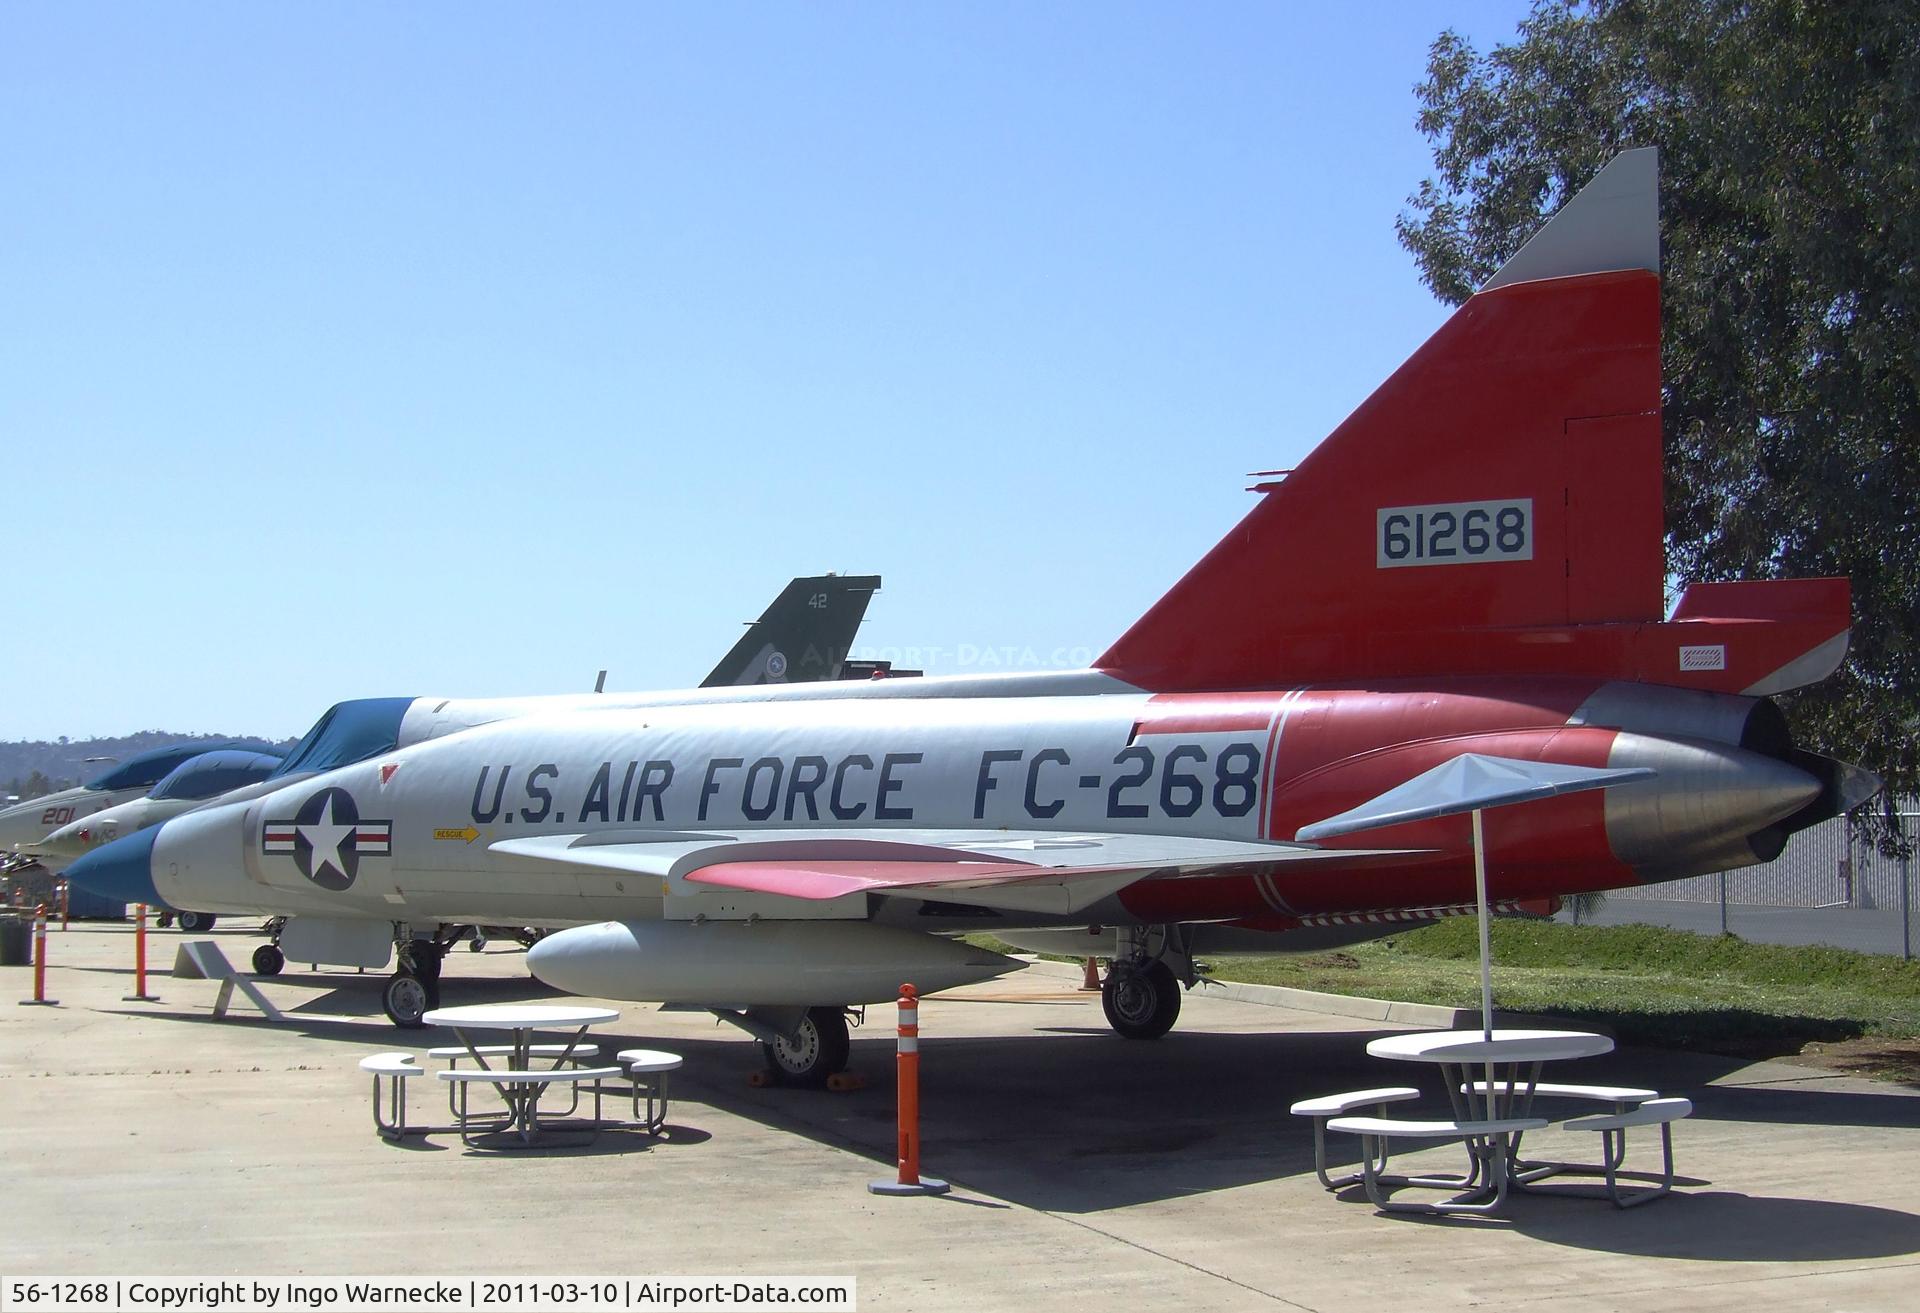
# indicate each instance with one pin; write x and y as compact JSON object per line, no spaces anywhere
{"x":1491,"y":1079}
{"x":1503,"y":1045}
{"x":523,"y":1021}
{"x":1504,"y":1092}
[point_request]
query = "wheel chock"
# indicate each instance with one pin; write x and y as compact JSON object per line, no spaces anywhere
{"x":843,"y":1081}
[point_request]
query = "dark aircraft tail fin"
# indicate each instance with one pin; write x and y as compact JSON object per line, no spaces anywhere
{"x":1495,"y":507}
{"x":805,"y":635}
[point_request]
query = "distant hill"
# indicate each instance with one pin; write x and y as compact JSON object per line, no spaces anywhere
{"x":62,"y":764}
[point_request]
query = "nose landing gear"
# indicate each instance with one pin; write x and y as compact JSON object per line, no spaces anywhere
{"x":413,"y":990}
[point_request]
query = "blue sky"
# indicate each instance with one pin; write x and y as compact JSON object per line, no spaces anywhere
{"x":357,"y":350}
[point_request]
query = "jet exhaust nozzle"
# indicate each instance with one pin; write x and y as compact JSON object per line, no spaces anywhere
{"x":1711,"y":806}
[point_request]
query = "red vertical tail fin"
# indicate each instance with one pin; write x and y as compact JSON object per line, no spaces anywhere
{"x":1507,"y":477}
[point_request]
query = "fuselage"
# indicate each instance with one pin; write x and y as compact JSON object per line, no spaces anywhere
{"x":408,"y":835}
{"x":28,"y":822}
{"x":78,"y":837}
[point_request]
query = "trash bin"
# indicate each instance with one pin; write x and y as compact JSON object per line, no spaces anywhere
{"x":16,"y":941}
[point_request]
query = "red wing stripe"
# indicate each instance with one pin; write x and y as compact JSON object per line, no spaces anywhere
{"x":831,"y":879}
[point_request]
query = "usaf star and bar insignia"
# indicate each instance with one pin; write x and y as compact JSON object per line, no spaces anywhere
{"x":327,"y":838}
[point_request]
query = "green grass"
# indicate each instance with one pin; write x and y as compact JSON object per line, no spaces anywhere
{"x":1649,"y":984}
{"x":1645,"y":984}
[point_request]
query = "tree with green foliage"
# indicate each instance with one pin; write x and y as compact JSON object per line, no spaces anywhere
{"x":1789,"y":133}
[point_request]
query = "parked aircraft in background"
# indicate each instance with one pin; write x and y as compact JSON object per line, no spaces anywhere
{"x":1471,"y":563}
{"x":30,"y":821}
{"x":803,"y":636}
{"x":186,"y":786}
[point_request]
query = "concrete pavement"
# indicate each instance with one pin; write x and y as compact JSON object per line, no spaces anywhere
{"x":148,"y":1138}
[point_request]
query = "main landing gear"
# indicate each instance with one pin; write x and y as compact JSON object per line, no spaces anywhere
{"x":413,"y":990}
{"x":1141,"y":999}
{"x":818,"y":1047}
{"x":801,"y":1046}
{"x":1141,"y":994}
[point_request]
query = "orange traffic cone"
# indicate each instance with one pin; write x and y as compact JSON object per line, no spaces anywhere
{"x":1090,"y":977}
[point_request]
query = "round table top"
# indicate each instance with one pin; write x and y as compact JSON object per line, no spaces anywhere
{"x":518,"y":1016}
{"x":1505,"y":1046}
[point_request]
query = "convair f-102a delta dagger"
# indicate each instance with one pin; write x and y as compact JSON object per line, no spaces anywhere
{"x":1471,"y":563}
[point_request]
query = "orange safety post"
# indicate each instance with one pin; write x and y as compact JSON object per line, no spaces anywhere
{"x":39,"y":958}
{"x":907,"y":1067}
{"x":40,"y":953}
{"x":66,"y":906}
{"x":140,"y":994}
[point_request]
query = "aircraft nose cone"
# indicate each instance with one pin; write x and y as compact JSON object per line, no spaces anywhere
{"x":61,"y":843}
{"x":121,"y":871}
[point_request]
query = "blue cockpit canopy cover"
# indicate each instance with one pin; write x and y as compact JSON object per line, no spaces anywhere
{"x":148,"y":768}
{"x":213,"y":773}
{"x":349,"y":732}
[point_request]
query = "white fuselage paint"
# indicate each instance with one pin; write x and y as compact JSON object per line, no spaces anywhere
{"x":27,"y":822}
{"x":1030,"y":763}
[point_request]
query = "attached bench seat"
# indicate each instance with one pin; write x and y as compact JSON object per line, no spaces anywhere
{"x":1622,"y":1096}
{"x":1613,"y":1129}
{"x":522,"y":1090}
{"x":452,"y":1054}
{"x":1491,"y":1155}
{"x":1441,"y":1128}
{"x":1339,"y":1105}
{"x":394,"y":1067}
{"x":649,"y":1070}
{"x":400,"y":1065}
{"x":1628,"y":1102}
{"x":1654,"y":1112}
{"x":455,"y":1052}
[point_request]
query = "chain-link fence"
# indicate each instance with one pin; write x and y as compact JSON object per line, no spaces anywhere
{"x":1826,"y":888}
